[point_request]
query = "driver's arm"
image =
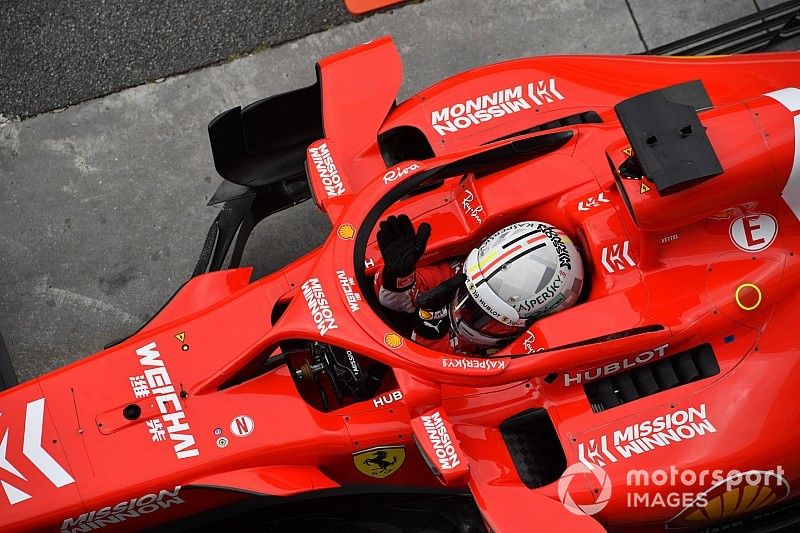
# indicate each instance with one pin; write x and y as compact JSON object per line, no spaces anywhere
{"x":401,"y":248}
{"x":425,"y":278}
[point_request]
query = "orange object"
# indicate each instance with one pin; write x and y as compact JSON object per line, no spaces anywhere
{"x":360,"y":7}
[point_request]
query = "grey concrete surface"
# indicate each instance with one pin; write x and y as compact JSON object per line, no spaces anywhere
{"x":766,"y":4}
{"x":102,"y":206}
{"x":57,"y":53}
{"x":663,"y":22}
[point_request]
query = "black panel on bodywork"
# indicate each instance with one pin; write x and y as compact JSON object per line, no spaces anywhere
{"x":669,"y":142}
{"x":534,"y":447}
{"x":667,"y":373}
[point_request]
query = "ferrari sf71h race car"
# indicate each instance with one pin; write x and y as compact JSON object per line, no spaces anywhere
{"x":677,"y":178}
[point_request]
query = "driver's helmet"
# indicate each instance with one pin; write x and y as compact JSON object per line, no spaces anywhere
{"x":522,"y":272}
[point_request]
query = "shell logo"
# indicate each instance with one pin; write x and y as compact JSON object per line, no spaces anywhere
{"x":393,"y":340}
{"x":732,"y":497}
{"x":346,"y":231}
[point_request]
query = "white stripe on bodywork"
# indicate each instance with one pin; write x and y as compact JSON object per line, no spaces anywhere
{"x":4,"y":463}
{"x":791,"y":193}
{"x":32,"y":446}
{"x":790,"y":99}
{"x":14,"y":494}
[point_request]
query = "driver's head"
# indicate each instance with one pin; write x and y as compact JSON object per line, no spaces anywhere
{"x":524,"y":271}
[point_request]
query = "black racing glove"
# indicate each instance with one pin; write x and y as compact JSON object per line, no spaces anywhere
{"x":401,"y":249}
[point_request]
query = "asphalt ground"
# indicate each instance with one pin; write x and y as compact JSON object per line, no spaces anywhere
{"x":58,"y":53}
{"x":102,"y":204}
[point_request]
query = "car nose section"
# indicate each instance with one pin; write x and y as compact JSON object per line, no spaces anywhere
{"x":35,"y":469}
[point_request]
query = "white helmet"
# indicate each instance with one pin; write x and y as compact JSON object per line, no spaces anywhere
{"x":524,"y":271}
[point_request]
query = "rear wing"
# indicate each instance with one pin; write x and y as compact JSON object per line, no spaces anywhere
{"x":8,"y":378}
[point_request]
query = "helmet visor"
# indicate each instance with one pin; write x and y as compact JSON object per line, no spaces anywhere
{"x":468,"y":312}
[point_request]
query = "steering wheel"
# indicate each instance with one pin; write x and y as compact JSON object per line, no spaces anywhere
{"x":342,"y":368}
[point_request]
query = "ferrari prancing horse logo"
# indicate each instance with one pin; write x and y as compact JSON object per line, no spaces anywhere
{"x":380,"y":462}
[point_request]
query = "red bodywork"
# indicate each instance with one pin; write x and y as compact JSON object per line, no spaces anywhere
{"x":361,"y":7}
{"x":670,"y":268}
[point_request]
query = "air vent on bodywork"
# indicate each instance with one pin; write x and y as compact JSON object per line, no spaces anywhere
{"x":534,"y":447}
{"x":670,"y":372}
{"x":404,"y":143}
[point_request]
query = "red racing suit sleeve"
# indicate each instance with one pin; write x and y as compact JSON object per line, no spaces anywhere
{"x":427,"y":278}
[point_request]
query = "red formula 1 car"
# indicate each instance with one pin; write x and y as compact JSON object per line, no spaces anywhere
{"x":664,"y":399}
